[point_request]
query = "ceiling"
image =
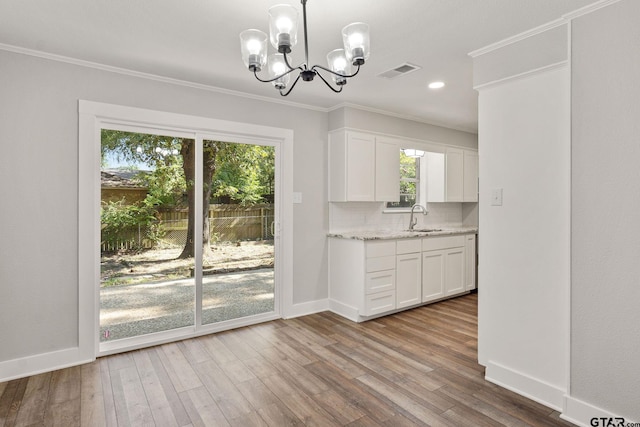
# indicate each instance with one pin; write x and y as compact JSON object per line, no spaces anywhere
{"x":197,"y":41}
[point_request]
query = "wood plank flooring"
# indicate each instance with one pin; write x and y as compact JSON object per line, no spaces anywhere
{"x":415,"y":368}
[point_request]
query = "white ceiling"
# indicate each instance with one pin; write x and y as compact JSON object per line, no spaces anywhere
{"x":197,"y":41}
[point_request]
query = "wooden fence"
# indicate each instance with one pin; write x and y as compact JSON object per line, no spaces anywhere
{"x":227,"y":223}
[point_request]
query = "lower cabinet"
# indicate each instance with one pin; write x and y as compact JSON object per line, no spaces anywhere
{"x":408,"y":280}
{"x":433,"y":275}
{"x":375,"y":277}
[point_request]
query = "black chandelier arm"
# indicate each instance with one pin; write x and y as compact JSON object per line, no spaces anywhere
{"x":327,"y":83}
{"x":300,"y":67}
{"x":336,"y":74}
{"x":255,"y":73}
{"x":292,"y":86}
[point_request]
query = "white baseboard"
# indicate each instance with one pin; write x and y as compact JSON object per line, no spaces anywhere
{"x":525,"y":385}
{"x":344,"y":310}
{"x":46,"y":362}
{"x":306,"y":308}
{"x":580,"y":413}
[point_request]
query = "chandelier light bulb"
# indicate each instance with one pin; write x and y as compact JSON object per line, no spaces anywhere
{"x":277,"y":68}
{"x":283,"y":27}
{"x":253,"y":46}
{"x":283,"y":35}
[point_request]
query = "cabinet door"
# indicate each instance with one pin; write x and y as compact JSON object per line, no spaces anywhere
{"x":470,"y":190}
{"x":378,"y":303}
{"x":433,"y":271}
{"x":454,"y":175}
{"x":454,"y":271}
{"x":408,"y":280}
{"x":387,"y":171}
{"x":470,"y":257}
{"x":360,"y":167}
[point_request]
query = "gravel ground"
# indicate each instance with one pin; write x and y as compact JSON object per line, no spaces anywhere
{"x":132,"y":310}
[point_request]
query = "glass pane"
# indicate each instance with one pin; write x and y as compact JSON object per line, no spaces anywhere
{"x":238,"y":253}
{"x":146,"y":260}
{"x":409,"y":166}
{"x":409,"y":178}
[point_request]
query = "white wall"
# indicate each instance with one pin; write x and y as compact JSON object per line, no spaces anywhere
{"x":39,"y":187}
{"x":351,"y":216}
{"x":605,"y":313}
{"x":523,"y":272}
{"x":515,"y":314}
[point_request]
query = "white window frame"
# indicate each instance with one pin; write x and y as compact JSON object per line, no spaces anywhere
{"x":421,"y":189}
{"x":93,"y":117}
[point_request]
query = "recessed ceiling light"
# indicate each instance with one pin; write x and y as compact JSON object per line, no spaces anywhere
{"x":436,"y":85}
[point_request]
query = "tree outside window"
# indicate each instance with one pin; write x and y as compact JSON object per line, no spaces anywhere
{"x":409,"y":182}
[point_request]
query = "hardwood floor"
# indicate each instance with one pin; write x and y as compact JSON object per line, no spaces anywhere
{"x":414,"y":368}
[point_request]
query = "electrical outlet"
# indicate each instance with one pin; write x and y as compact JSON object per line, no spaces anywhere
{"x":297,"y":197}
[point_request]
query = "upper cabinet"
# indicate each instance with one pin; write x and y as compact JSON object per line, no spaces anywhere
{"x":452,"y":176}
{"x":470,"y":187}
{"x":363,"y":168}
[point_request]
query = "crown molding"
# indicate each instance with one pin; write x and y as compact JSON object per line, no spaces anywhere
{"x":215,"y":89}
{"x":565,"y":19}
{"x":588,"y":9}
{"x":154,"y":77}
{"x":466,"y":129}
{"x":518,"y":37}
{"x":524,"y":75}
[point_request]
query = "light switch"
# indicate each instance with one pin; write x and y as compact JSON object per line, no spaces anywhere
{"x":297,"y":197}
{"x":496,"y":197}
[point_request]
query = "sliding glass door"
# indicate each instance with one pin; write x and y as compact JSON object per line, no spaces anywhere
{"x":187,"y":235}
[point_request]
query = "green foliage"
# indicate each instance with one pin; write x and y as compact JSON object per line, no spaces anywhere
{"x":245,"y":173}
{"x":129,"y":225}
{"x":409,"y":176}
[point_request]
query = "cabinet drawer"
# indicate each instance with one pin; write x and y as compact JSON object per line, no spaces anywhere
{"x":380,"y":248}
{"x":436,"y":243}
{"x":379,"y":303}
{"x":408,"y":246}
{"x":381,"y":263}
{"x":380,"y":281}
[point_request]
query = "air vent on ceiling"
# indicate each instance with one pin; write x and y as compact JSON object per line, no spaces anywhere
{"x":398,"y":71}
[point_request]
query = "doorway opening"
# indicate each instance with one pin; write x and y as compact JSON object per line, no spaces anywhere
{"x":187,"y":235}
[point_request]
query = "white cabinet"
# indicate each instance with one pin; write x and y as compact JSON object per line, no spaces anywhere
{"x":452,"y":176}
{"x":470,"y":257}
{"x":443,"y":267}
{"x":433,"y":275}
{"x":351,"y":167}
{"x":408,"y":272}
{"x":470,"y":188}
{"x":363,"y":168}
{"x":376,"y":277}
{"x":454,"y":271}
{"x":387,"y":171}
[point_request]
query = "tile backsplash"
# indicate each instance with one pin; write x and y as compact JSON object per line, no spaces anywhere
{"x":359,"y":216}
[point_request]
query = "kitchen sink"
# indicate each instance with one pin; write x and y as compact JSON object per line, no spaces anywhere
{"x":425,"y":230}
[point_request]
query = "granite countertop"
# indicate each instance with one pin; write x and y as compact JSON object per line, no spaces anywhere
{"x":402,"y":234}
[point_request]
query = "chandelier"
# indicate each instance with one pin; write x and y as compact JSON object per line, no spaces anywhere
{"x":283,"y":29}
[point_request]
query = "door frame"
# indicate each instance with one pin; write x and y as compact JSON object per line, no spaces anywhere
{"x":94,"y":116}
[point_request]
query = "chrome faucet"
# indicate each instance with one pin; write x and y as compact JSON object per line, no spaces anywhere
{"x":413,"y":221}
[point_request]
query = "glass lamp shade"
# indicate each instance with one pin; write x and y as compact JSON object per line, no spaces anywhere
{"x":356,"y":42}
{"x":277,"y":66}
{"x":253,"y":46}
{"x":283,"y":27}
{"x":338,"y":63}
